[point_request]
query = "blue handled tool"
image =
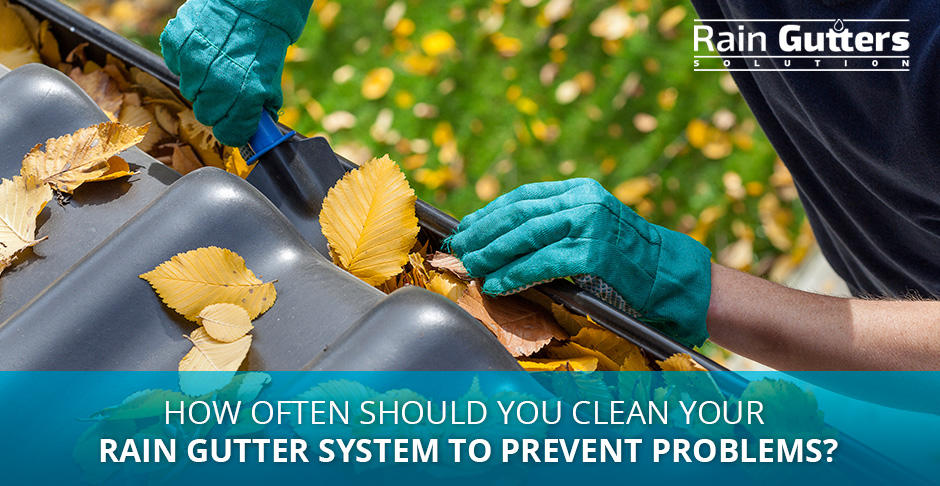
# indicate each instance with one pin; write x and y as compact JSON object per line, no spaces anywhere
{"x":266,"y":138}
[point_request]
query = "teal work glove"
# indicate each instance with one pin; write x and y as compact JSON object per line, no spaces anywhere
{"x":229,"y":55}
{"x":575,"y":228}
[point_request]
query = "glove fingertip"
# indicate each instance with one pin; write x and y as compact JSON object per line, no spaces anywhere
{"x":494,"y":287}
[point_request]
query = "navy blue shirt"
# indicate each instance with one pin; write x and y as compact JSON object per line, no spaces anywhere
{"x":863,"y":147}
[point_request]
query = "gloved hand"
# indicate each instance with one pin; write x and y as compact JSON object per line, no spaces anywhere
{"x":229,"y":55}
{"x":540,"y":232}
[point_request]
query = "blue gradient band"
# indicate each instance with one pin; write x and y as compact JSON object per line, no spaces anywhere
{"x":602,"y":427}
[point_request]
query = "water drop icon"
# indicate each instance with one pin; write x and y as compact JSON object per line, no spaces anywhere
{"x":839,"y":27}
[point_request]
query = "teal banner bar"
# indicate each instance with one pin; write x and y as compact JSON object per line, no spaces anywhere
{"x":468,"y":428}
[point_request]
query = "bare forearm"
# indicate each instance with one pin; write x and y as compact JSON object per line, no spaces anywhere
{"x":793,"y":330}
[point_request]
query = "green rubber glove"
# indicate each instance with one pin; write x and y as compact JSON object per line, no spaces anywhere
{"x":229,"y":55}
{"x":575,"y":228}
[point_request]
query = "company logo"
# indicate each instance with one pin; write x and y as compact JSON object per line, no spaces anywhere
{"x":801,"y":45}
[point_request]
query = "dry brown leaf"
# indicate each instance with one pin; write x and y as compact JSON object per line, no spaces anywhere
{"x":570,"y":322}
{"x":584,"y":363}
{"x":21,"y":200}
{"x":680,"y":362}
{"x":184,"y":160}
{"x":102,"y":89}
{"x":70,"y":160}
{"x":118,"y":72}
{"x":575,"y":350}
{"x":447,"y":285}
{"x":225,"y":322}
{"x":521,"y":326}
{"x":167,"y":120}
{"x":155,"y":90}
{"x":369,"y":220}
{"x":209,"y":354}
{"x":77,"y":54}
{"x":446,"y":261}
{"x":616,"y":348}
{"x":190,"y":281}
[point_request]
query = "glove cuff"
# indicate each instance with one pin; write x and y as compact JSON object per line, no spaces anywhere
{"x":681,"y":291}
{"x":287,"y":15}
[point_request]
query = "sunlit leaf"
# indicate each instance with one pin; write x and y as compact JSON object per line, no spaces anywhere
{"x":16,"y":45}
{"x":21,"y":200}
{"x":574,"y":350}
{"x":190,"y":281}
{"x":83,"y":156}
{"x":210,"y":355}
{"x":377,"y":83}
{"x":369,"y":220}
{"x":447,"y":285}
{"x":586,"y":363}
{"x":225,"y":322}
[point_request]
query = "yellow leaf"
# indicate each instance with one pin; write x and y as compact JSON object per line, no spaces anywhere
{"x":506,"y":46}
{"x":616,"y":348}
{"x":377,"y":83}
{"x":48,"y":45}
{"x":208,"y":354}
{"x":369,"y":220}
{"x":575,"y":350}
{"x":70,"y":160}
{"x":443,"y":133}
{"x":635,"y":362}
{"x":418,"y":274}
{"x":520,"y":325}
{"x":437,"y":42}
{"x":117,"y":168}
{"x":670,"y":19}
{"x":571,"y":323}
{"x":190,"y":281}
{"x":235,"y":163}
{"x":21,"y":200}
{"x":16,"y":45}
{"x":680,"y":362}
{"x":447,"y":285}
{"x":632,"y":191}
{"x":584,"y":363}
{"x":225,"y":322}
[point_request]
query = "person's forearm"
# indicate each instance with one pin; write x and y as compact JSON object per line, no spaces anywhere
{"x":793,"y":330}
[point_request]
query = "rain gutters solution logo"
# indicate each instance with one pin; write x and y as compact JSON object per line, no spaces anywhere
{"x":801,"y":45}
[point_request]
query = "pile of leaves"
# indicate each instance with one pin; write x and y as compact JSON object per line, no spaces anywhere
{"x":212,"y":287}
{"x":369,"y":221}
{"x":125,"y":94}
{"x":88,"y":155}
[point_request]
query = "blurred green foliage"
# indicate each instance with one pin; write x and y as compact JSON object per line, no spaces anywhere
{"x":501,"y":89}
